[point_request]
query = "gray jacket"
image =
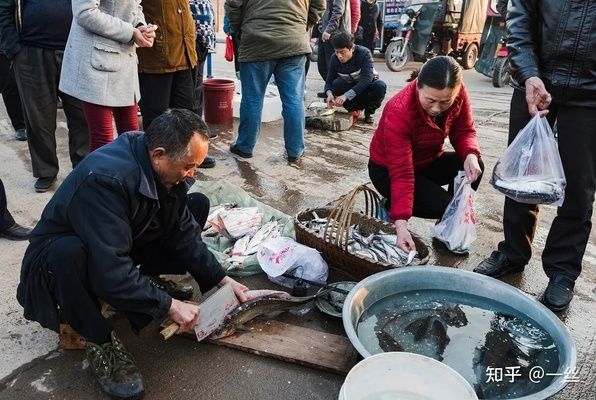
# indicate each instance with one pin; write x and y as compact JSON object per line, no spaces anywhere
{"x":337,"y":17}
{"x":100,"y":60}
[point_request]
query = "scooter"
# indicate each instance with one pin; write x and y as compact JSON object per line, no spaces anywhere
{"x":399,"y":49}
{"x":501,"y":69}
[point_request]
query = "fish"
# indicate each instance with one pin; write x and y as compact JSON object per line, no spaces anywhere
{"x":275,"y":301}
{"x":270,"y":230}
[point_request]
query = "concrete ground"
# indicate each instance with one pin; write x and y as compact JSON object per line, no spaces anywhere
{"x":33,"y":368}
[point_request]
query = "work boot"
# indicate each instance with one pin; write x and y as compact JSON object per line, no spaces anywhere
{"x":44,"y":184}
{"x":497,"y":265}
{"x":177,"y":291}
{"x":558,"y":293}
{"x":115,"y":369}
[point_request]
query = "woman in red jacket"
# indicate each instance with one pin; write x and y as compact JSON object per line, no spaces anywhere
{"x":408,"y":164}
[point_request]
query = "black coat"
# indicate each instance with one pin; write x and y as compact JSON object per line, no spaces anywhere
{"x":556,"y":41}
{"x":109,"y":201}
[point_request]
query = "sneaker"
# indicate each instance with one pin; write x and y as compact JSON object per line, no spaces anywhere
{"x":177,"y":291}
{"x":21,"y":134}
{"x":115,"y":369}
{"x":208,"y":162}
{"x":44,"y":184}
{"x":558,"y":293}
{"x":497,"y":265}
{"x":234,"y":149}
{"x":294,"y":159}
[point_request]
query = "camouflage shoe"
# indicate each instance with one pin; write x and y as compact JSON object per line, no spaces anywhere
{"x":115,"y":369}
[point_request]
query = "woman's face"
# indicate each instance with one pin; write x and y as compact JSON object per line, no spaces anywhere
{"x":436,"y":101}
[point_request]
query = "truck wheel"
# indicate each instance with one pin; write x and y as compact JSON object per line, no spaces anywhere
{"x":470,"y":56}
{"x":501,"y":73}
{"x":392,"y":56}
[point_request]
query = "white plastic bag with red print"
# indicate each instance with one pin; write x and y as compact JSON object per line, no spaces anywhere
{"x":457,"y":228}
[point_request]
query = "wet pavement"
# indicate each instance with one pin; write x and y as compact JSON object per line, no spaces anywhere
{"x":334,"y":162}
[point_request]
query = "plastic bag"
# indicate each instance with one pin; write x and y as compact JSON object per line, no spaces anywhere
{"x":457,"y":228}
{"x":530,"y":171}
{"x":229,"y":54}
{"x":283,"y":254}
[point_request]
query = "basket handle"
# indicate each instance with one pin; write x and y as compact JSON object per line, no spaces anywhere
{"x":340,"y":219}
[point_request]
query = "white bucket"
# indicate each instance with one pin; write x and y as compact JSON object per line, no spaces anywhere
{"x":404,"y":376}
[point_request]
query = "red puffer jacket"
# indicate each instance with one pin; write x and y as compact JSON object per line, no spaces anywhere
{"x":407,"y":139}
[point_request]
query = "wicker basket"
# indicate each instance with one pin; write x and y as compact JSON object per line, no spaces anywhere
{"x":334,"y":248}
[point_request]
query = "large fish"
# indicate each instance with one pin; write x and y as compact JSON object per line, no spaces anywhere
{"x":268,"y":303}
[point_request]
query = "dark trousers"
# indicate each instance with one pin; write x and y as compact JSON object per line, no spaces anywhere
{"x":66,"y":264}
{"x":162,"y":91}
{"x":369,"y":100}
{"x":37,"y":73}
{"x":6,"y":220}
{"x":198,"y":74}
{"x":10,"y":94}
{"x":570,"y":231}
{"x":430,"y":199}
{"x":325,"y":51}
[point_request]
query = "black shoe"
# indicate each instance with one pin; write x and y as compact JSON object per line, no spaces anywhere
{"x":177,"y":291}
{"x":44,"y":184}
{"x":322,"y":95}
{"x":497,"y":265}
{"x":208,"y":162}
{"x":239,"y":152}
{"x":21,"y":134}
{"x":16,"y":232}
{"x":212,"y":133}
{"x":558,"y":293}
{"x":368,"y":118}
{"x":294,"y":159}
{"x":115,"y":369}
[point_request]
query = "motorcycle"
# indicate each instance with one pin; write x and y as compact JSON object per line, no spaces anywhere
{"x":399,"y":49}
{"x":501,"y":69}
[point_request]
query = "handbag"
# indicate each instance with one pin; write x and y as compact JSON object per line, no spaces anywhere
{"x":229,"y":54}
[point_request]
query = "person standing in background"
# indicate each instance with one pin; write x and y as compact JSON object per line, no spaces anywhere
{"x":336,"y":19}
{"x":100,"y":65}
{"x":202,"y":12}
{"x":11,"y":98}
{"x":33,"y":36}
{"x":371,"y":25}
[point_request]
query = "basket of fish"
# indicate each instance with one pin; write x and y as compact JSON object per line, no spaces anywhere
{"x":356,"y":242}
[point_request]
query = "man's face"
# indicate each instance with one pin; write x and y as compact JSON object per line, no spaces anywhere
{"x":436,"y":101}
{"x":170,"y":171}
{"x":344,"y":55}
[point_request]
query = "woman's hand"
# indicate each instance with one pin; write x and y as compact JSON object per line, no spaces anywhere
{"x":139,"y":37}
{"x":472,"y":168}
{"x":537,"y":97}
{"x":238,"y":288}
{"x":404,"y":238}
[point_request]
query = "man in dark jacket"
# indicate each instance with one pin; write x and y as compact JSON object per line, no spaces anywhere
{"x":33,"y":36}
{"x":125,"y":204}
{"x":352,"y":81}
{"x":554,"y":70}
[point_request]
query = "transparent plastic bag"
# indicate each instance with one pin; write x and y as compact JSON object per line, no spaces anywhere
{"x":530,"y":171}
{"x":457,"y":228}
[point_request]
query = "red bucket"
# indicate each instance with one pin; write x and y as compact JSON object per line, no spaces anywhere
{"x":218,"y":97}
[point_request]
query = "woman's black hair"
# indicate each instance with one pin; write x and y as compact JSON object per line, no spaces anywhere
{"x":342,"y":40}
{"x":438,"y":73}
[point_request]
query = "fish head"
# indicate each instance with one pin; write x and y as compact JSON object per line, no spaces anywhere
{"x":223,"y":331}
{"x":454,"y":316}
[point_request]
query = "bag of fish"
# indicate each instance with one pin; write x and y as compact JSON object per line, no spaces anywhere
{"x":530,"y":171}
{"x":457,"y":228}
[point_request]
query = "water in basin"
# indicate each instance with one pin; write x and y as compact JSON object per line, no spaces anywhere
{"x":500,"y":352}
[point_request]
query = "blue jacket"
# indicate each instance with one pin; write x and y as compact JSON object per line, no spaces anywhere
{"x":358,"y":70}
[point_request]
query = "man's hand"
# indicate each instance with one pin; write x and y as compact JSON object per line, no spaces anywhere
{"x":139,"y":38}
{"x":404,"y":238}
{"x":330,"y":100}
{"x":472,"y":168}
{"x":325,"y":36}
{"x":238,"y":288}
{"x":184,"y":314}
{"x":537,"y":97}
{"x":340,"y":100}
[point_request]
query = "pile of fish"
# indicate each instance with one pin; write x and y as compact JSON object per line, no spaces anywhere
{"x":242,"y":225}
{"x":379,"y":247}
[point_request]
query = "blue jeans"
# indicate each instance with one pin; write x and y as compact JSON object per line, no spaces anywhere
{"x":289,"y":77}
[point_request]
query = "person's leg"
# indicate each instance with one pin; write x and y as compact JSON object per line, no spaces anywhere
{"x":78,"y":132}
{"x":36,"y":76}
{"x":155,"y":95}
{"x":183,"y":91}
{"x":198,"y":74}
{"x":126,"y":118}
{"x":255,"y":76}
{"x":99,"y":121}
{"x":369,"y":100}
{"x":325,"y":51}
{"x":570,"y":231}
{"x":289,"y":76}
{"x":10,"y":94}
{"x":6,"y":220}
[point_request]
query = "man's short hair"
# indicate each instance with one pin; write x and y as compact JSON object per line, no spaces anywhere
{"x":173,"y":130}
{"x":342,"y":40}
